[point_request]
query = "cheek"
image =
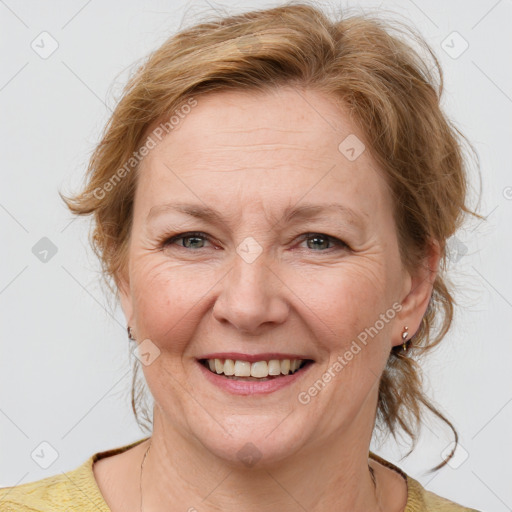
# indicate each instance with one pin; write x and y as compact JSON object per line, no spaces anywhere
{"x":168,"y":300}
{"x":340,"y":302}
{"x":343,"y":303}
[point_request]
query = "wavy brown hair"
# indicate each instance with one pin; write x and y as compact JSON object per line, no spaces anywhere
{"x":389,"y":81}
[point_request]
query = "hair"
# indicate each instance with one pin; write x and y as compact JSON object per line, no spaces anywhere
{"x":389,"y":81}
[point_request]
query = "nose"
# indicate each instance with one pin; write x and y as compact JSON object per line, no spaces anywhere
{"x":251,"y":297}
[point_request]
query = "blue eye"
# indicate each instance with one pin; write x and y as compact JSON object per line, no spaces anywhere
{"x":323,"y":240}
{"x":195,"y":239}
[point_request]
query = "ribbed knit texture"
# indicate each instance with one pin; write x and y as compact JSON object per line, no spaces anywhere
{"x":77,"y":491}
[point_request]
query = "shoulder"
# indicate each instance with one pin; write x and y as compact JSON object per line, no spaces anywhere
{"x":75,"y":490}
{"x":420,"y":499}
{"x":56,"y":493}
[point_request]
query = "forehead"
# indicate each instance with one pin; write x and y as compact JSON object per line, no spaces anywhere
{"x":260,"y":120}
{"x":244,"y":148}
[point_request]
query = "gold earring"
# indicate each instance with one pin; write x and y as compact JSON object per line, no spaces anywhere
{"x":405,"y":333}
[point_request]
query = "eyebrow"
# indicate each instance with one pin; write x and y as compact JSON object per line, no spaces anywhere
{"x":291,"y":214}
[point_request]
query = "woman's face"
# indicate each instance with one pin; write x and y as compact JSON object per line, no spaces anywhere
{"x":296,"y":258}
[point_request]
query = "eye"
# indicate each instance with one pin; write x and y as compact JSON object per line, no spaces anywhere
{"x":319,"y":242}
{"x":193,"y":240}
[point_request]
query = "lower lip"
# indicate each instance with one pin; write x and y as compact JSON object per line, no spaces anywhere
{"x":253,"y":387}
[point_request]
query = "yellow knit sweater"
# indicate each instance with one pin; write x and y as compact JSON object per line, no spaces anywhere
{"x":77,"y":491}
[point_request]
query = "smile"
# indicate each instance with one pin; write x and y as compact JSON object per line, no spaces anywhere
{"x":242,"y":377}
{"x":259,"y":370}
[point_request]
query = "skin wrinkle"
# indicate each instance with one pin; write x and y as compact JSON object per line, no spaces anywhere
{"x":262,"y":147}
{"x":342,"y":219}
{"x":190,"y":302}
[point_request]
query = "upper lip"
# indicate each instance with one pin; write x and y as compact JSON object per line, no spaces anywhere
{"x":252,"y":358}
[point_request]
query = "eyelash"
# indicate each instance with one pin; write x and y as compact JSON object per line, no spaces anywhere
{"x":307,"y":236}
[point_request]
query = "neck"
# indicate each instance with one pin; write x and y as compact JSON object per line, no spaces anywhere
{"x":331,"y":475}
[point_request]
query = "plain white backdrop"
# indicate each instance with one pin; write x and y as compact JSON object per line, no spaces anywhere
{"x":64,"y":361}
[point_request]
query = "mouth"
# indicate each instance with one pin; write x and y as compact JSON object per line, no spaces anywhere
{"x":256,"y":371}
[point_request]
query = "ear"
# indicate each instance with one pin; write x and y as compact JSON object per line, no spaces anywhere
{"x":416,"y":293}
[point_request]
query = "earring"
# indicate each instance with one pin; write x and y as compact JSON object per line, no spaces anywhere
{"x":405,"y":333}
{"x":130,"y":335}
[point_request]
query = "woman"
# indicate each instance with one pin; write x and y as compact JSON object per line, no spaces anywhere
{"x":272,"y":199}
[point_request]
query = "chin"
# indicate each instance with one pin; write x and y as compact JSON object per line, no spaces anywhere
{"x":252,"y":441}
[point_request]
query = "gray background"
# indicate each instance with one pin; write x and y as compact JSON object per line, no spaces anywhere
{"x":65,"y":356}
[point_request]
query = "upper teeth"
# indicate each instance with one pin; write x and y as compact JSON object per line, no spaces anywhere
{"x":258,"y":369}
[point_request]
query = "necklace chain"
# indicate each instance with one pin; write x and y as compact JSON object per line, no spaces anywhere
{"x":372,"y":473}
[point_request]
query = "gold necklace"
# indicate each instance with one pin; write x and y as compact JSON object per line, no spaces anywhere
{"x":372,"y":473}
